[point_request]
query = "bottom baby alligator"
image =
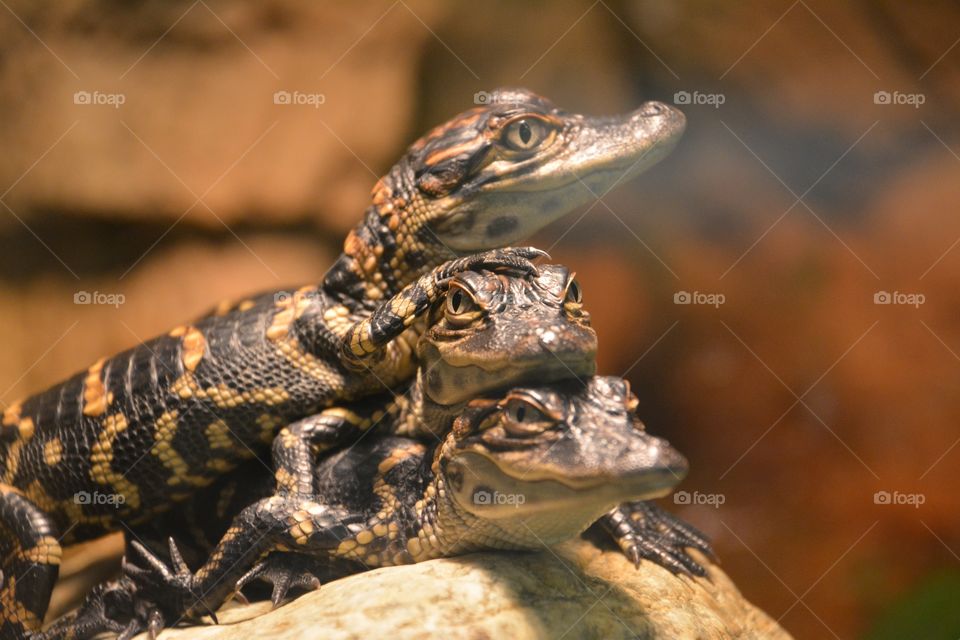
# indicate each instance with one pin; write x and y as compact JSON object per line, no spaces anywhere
{"x":573,"y":452}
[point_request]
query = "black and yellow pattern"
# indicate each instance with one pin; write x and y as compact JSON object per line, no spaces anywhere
{"x":497,"y":328}
{"x":140,"y":431}
{"x":572,"y":452}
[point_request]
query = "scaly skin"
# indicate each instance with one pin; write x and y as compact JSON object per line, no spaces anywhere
{"x":494,"y":330}
{"x":572,"y":452}
{"x":148,"y":427}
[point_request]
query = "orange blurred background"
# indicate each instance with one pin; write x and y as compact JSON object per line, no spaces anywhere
{"x":799,"y":201}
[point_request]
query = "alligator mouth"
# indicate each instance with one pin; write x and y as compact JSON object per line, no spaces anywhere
{"x":507,"y":200}
{"x":616,"y":148}
{"x":473,"y":379}
{"x":641,"y":484}
{"x":577,"y":365}
{"x":617,"y":169}
{"x":574,"y":351}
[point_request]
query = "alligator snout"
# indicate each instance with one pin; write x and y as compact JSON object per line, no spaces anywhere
{"x":652,"y":108}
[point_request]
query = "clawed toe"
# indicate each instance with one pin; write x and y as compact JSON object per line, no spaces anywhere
{"x":646,"y":532}
{"x":671,"y":528}
{"x":163,"y":593}
{"x":109,"y":607}
{"x":284,"y":571}
{"x":518,"y":259}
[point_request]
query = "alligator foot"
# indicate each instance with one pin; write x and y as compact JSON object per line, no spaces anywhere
{"x":109,"y":607}
{"x":516,"y":259}
{"x":643,"y":531}
{"x":162,"y":596}
{"x":284,"y":571}
{"x":368,"y":338}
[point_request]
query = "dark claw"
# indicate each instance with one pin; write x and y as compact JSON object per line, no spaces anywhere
{"x":646,"y":532}
{"x":514,"y":259}
{"x":238,"y":595}
{"x":679,"y":533}
{"x":283,"y":571}
{"x":154,"y":624}
{"x":155,"y":562}
{"x":162,"y":593}
{"x":510,"y":259}
{"x":176,"y":558}
{"x":130,"y":630}
{"x":108,"y":607}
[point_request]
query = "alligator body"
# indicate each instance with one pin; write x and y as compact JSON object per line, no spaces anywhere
{"x":521,"y":470}
{"x":493,"y":330}
{"x":138,"y":432}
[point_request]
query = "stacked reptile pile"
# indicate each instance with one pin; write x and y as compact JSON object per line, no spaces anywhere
{"x":433,"y":395}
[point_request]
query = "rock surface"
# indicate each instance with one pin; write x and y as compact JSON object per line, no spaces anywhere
{"x":574,"y":591}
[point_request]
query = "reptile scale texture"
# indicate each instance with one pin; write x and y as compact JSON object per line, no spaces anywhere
{"x":574,"y":450}
{"x":153,"y":425}
{"x":514,"y":328}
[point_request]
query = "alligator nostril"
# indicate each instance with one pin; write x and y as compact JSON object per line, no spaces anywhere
{"x":653,"y":109}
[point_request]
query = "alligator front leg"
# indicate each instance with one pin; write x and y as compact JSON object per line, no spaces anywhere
{"x":296,"y":447}
{"x":644,"y":531}
{"x":368,"y":337}
{"x":286,"y":570}
{"x":165,"y":594}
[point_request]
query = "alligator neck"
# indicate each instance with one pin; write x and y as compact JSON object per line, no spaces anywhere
{"x":444,"y":528}
{"x":421,"y":415}
{"x":391,"y":247}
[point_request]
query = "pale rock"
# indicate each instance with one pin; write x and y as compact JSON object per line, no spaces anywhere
{"x":573,"y":591}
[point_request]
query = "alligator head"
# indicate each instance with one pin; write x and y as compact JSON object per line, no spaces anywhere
{"x":495,"y":174}
{"x":497,"y":330}
{"x":539,"y":465}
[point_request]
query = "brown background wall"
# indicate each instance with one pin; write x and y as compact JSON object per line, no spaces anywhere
{"x":796,"y":400}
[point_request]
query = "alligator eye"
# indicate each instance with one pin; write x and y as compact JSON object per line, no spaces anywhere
{"x":524,"y":134}
{"x":521,"y":412}
{"x":574,"y":293}
{"x":459,"y":302}
{"x":461,"y":308}
{"x":524,"y":419}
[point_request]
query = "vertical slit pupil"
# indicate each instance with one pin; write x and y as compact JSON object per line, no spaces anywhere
{"x":525,"y":132}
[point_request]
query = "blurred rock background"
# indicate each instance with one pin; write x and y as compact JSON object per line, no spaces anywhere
{"x":798,"y":194}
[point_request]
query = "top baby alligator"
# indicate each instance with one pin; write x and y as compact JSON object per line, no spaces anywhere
{"x":155,"y":423}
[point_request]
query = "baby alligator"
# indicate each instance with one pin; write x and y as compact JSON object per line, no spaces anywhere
{"x":526,"y":469}
{"x":494,"y":330}
{"x":138,"y":432}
